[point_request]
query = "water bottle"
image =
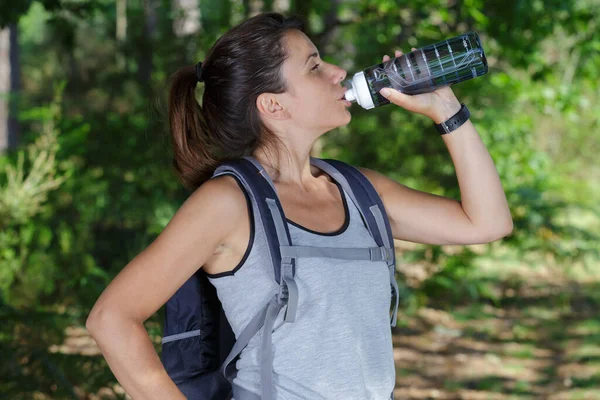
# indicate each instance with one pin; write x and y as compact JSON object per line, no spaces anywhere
{"x":420,"y":71}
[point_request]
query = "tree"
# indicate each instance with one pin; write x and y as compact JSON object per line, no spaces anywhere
{"x":10,"y":83}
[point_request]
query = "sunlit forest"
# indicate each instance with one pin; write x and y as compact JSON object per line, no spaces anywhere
{"x":86,"y":182}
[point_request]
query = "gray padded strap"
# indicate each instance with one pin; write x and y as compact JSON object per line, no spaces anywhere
{"x":243,"y":339}
{"x":367,"y":254}
{"x":264,"y":319}
{"x":261,"y":170}
{"x":278,"y":220}
{"x":287,"y":268}
{"x":381,"y":225}
{"x":179,"y":336}
{"x":386,"y":240}
{"x":292,"y":292}
{"x":266,"y":361}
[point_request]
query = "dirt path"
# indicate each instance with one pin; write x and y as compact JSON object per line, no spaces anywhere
{"x":535,"y":347}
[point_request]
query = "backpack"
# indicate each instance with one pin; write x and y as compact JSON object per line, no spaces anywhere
{"x":198,"y":345}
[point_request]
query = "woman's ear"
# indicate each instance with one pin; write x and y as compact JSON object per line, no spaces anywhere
{"x":269,"y":105}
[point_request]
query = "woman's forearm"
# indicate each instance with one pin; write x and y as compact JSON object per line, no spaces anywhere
{"x":132,"y":358}
{"x":482,"y":196}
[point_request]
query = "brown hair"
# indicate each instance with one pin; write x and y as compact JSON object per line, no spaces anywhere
{"x":245,"y":62}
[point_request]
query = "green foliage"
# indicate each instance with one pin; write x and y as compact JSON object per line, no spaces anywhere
{"x":11,"y":11}
{"x":93,"y":184}
{"x":23,"y":261}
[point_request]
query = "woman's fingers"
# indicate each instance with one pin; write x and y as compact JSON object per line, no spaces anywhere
{"x":397,"y":53}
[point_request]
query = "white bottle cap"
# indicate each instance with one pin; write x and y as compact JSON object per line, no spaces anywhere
{"x":360,"y":91}
{"x":350,"y":95}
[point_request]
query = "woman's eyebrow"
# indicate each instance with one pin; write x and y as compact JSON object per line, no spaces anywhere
{"x":315,"y":54}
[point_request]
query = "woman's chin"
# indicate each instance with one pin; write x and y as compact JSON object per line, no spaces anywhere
{"x":340,"y":122}
{"x":348,"y":118}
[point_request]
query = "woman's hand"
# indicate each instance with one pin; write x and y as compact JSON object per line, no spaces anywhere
{"x":438,"y":105}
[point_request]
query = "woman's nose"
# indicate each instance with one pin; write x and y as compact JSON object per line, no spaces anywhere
{"x":339,"y":74}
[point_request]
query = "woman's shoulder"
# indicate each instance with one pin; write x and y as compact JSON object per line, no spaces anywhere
{"x":219,"y":205}
{"x":221,"y":193}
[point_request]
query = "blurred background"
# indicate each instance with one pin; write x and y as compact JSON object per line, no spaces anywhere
{"x":86,"y":182}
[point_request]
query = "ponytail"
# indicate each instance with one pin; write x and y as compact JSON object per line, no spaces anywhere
{"x":245,"y":62}
{"x":193,"y":157}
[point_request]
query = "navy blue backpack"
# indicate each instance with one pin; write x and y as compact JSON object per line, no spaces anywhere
{"x":199,"y":348}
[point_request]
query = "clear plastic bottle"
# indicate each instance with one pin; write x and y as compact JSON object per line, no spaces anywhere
{"x":420,"y":71}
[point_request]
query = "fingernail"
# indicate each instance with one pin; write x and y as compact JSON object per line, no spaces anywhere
{"x":385,"y":92}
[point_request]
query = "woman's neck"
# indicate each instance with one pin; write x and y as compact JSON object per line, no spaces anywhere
{"x":290,"y":169}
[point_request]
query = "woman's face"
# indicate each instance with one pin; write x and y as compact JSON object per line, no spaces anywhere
{"x":313,"y":98}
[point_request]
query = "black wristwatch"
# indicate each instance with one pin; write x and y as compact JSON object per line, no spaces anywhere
{"x":455,"y":121}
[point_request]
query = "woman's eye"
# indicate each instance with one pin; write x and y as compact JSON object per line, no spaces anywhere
{"x":316,"y":67}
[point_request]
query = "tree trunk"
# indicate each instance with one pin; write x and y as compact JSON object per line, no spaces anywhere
{"x":10,"y":84}
{"x":145,"y":64}
{"x":187,"y":17}
{"x":121,"y":20}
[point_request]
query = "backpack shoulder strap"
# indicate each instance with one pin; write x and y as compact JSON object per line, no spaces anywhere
{"x":261,"y":188}
{"x":371,"y":208}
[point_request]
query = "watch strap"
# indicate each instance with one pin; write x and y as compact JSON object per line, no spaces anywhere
{"x":455,"y":121}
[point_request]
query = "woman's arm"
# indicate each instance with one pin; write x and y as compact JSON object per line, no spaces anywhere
{"x":481,"y":216}
{"x":116,"y":321}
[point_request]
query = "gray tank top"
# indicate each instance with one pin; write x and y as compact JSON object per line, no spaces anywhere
{"x":340,"y":345}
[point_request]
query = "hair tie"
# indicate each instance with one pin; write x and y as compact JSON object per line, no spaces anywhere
{"x":199,"y":72}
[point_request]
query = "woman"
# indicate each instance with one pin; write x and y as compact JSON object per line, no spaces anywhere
{"x":268,"y":94}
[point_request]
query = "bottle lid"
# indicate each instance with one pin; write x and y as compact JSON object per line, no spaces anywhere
{"x":350,"y":95}
{"x":361,"y":92}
